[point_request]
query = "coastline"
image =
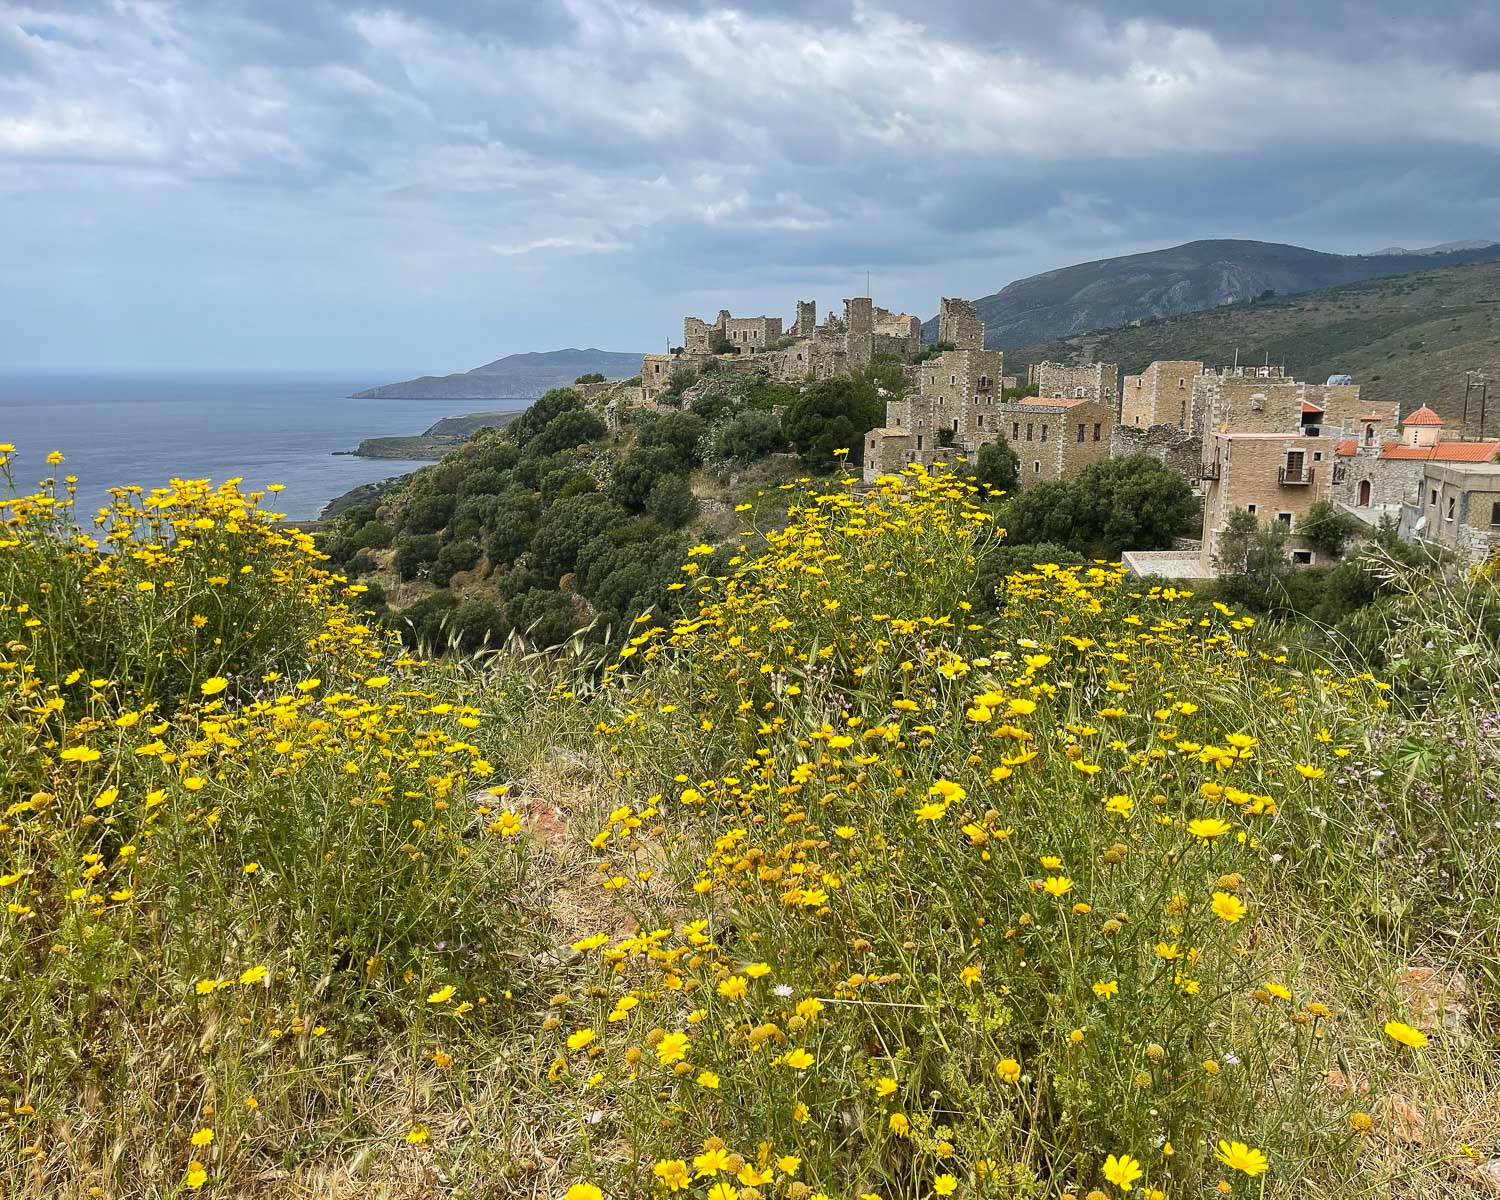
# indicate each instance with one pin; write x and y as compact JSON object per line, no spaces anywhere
{"x":437,"y":440}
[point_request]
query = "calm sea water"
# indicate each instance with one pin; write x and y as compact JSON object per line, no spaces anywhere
{"x":143,"y":428}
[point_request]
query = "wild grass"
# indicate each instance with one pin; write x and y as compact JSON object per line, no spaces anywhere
{"x":847,"y":881}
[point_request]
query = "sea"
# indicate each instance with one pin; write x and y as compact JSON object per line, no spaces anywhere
{"x":264,"y":427}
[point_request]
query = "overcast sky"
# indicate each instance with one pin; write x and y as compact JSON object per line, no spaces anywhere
{"x":429,"y":184}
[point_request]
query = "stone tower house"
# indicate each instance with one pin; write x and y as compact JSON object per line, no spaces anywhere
{"x":807,"y":319}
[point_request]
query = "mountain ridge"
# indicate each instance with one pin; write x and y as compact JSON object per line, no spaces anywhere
{"x":1195,"y":276}
{"x":521,"y":376}
{"x":1409,"y":338}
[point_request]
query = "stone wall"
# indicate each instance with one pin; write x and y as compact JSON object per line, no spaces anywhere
{"x":1461,"y":507}
{"x":1095,"y":381}
{"x":657,"y":370}
{"x":886,"y":452}
{"x":1263,"y":400}
{"x":1162,"y":394}
{"x":807,"y":319}
{"x":1056,"y":441}
{"x":1392,"y":482}
{"x":958,"y":392}
{"x":897,"y":333}
{"x":1180,"y":450}
{"x":960,"y":325}
{"x":859,"y":315}
{"x":749,"y":335}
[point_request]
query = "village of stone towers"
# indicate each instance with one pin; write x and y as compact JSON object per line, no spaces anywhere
{"x":1246,"y":438}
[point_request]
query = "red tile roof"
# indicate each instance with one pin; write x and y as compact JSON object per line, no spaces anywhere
{"x":1347,"y":448}
{"x":1423,"y":416}
{"x":1472,"y":452}
{"x":1311,"y":408}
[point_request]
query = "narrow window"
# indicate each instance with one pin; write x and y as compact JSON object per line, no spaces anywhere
{"x":1036,"y":467}
{"x":919,"y":441}
{"x":1015,"y":431}
{"x":1029,"y":428}
{"x":1097,"y":426}
{"x":1285,"y":519}
{"x":1250,"y":508}
{"x":1080,"y":431}
{"x":1452,"y":500}
{"x":1044,"y":431}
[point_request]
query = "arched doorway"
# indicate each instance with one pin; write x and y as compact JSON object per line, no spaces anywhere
{"x":1364,"y":493}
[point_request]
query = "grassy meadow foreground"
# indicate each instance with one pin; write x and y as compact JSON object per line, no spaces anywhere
{"x":851,"y":878}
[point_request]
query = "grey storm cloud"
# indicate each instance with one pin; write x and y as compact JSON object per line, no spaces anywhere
{"x":442,"y":181}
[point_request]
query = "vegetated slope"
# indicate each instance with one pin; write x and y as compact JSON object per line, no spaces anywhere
{"x":852,"y":877}
{"x":514,"y":377}
{"x":1409,"y":339}
{"x":1182,"y":279}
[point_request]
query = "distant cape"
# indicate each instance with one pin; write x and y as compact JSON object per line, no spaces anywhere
{"x":514,"y":377}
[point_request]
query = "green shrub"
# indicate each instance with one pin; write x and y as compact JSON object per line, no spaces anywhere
{"x":454,"y":557}
{"x":427,"y":512}
{"x":414,"y":552}
{"x":751,"y":435}
{"x":373,"y":535}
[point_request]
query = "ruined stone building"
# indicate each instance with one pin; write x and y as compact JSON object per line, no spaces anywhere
{"x":745,"y":335}
{"x":959,"y":325}
{"x":841,"y":347}
{"x":658,"y":370}
{"x":1094,"y":381}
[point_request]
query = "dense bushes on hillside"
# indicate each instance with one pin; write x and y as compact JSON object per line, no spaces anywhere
{"x":1132,"y":503}
{"x":532,"y":500}
{"x":518,"y":510}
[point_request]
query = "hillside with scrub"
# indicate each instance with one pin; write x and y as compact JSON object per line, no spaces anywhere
{"x":1411,"y":338}
{"x":849,"y":868}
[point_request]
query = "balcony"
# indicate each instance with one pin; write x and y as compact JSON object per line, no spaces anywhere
{"x":1294,"y":476}
{"x":1210,"y":471}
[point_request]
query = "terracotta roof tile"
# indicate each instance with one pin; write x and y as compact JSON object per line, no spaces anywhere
{"x":1423,"y":416}
{"x":1347,"y":448}
{"x":1311,"y":408}
{"x":1473,"y":452}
